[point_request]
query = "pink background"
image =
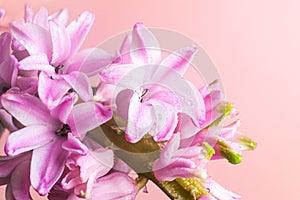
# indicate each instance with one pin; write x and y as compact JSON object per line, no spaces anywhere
{"x":256,"y":48}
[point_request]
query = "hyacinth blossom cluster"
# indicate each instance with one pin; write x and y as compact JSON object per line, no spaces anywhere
{"x":141,"y":103}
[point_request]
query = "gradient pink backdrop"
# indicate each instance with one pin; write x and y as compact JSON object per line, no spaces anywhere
{"x":255,"y":45}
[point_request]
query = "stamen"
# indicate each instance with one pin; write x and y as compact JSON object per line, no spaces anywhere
{"x":63,"y":131}
{"x":57,"y":69}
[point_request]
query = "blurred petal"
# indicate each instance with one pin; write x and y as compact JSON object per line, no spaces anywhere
{"x":6,"y":120}
{"x":89,"y":61}
{"x":145,"y":48}
{"x":61,"y":45}
{"x":47,"y":165}
{"x":80,"y":83}
{"x":28,"y":138}
{"x":20,"y":181}
{"x":27,"y":109}
{"x":79,"y":29}
{"x":87,"y":116}
{"x":8,"y":164}
{"x":180,"y":60}
{"x":2,"y":13}
{"x":5,"y":40}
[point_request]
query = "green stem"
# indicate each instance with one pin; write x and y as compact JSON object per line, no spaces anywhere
{"x":139,"y":156}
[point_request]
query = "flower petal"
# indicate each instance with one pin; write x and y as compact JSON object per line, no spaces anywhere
{"x":79,"y":29}
{"x":5,"y":40}
{"x":73,"y":145}
{"x":105,"y":187}
{"x":27,"y":109}
{"x":60,"y":16}
{"x":20,"y":182}
{"x":2,"y":13}
{"x":33,"y":37}
{"x":80,"y":83}
{"x":61,"y":45}
{"x":52,"y":90}
{"x":114,"y":73}
{"x":89,"y":61}
{"x":87,"y":116}
{"x":180,"y":60}
{"x":8,"y":164}
{"x":47,"y":165}
{"x":41,"y":18}
{"x":140,"y":119}
{"x":219,"y":192}
{"x":28,"y":138}
{"x":144,"y":48}
{"x":165,"y":120}
{"x":36,"y":62}
{"x":63,"y":110}
{"x":179,"y":168}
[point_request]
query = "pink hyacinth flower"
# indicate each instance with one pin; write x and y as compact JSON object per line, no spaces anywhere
{"x":52,"y":135}
{"x":56,"y":53}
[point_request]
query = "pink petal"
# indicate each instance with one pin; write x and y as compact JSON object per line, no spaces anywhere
{"x":2,"y":13}
{"x":41,"y":18}
{"x":61,"y":45}
{"x":169,"y":150}
{"x":89,"y":61}
{"x":180,"y":60}
{"x":33,"y":37}
{"x":73,"y":145}
{"x":140,"y":119}
{"x":28,"y":138}
{"x":20,"y":182}
{"x":125,"y":50}
{"x":79,"y":29}
{"x":105,"y":187}
{"x":28,"y":16}
{"x":52,"y":90}
{"x":8,"y":164}
{"x":219,"y":192}
{"x":36,"y":62}
{"x":178,"y":168}
{"x":96,"y":114}
{"x":144,"y":48}
{"x":27,"y":84}
{"x":114,"y":73}
{"x":5,"y":40}
{"x":80,"y":83}
{"x":207,"y":197}
{"x":186,"y":127}
{"x":27,"y":109}
{"x":63,"y":110}
{"x":61,"y":16}
{"x":47,"y":165}
{"x":7,"y":120}
{"x":165,"y":120}
{"x":71,"y":180}
{"x":9,"y":70}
